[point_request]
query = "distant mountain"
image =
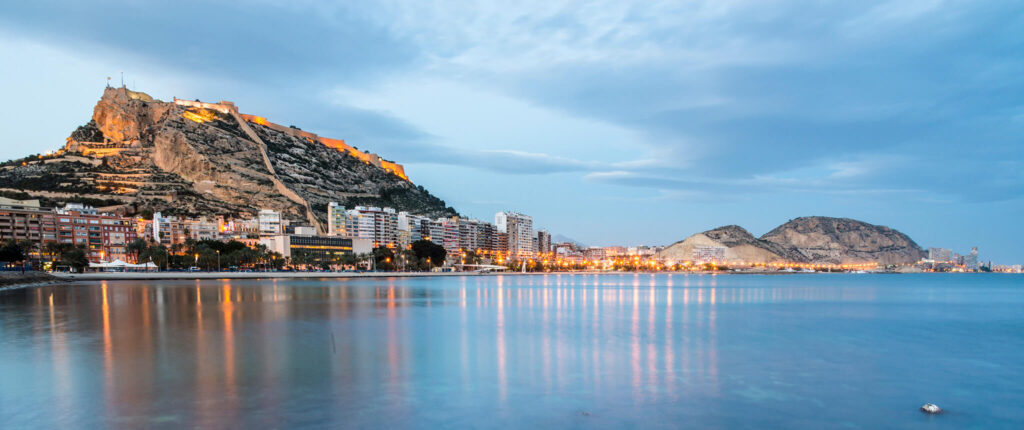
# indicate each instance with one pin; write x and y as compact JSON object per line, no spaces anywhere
{"x":191,"y":158}
{"x":806,"y":240}
{"x":739,"y":245}
{"x":845,"y":241}
{"x":560,"y":238}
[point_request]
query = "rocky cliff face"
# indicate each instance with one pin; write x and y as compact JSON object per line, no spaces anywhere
{"x":161,"y":156}
{"x":805,"y":240}
{"x":845,"y":241}
{"x":739,"y":246}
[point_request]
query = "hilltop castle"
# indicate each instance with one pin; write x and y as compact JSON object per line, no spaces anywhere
{"x":227,"y":107}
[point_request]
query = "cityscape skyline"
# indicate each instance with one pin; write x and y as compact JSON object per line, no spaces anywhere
{"x":109,"y":238}
{"x":733,"y":130}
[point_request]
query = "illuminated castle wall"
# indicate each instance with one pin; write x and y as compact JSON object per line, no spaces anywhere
{"x":366,"y":157}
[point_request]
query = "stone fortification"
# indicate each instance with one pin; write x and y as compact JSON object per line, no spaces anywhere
{"x":340,"y":145}
{"x":192,"y":158}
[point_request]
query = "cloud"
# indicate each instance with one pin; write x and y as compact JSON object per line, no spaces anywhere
{"x":907,"y":104}
{"x":256,"y":42}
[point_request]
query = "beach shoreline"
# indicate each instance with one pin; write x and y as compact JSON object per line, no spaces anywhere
{"x":110,"y":276}
{"x":10,"y":281}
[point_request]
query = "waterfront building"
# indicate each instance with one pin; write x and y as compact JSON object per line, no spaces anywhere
{"x":614,"y":251}
{"x":519,"y":229}
{"x":940,"y":255}
{"x":565,"y":248}
{"x":328,"y":249}
{"x":359,"y":225}
{"x":203,"y":228}
{"x":270,"y":222}
{"x":594,"y":253}
{"x":435,"y":231}
{"x":412,"y":228}
{"x":500,"y":242}
{"x":467,"y":234}
{"x":241,"y":228}
{"x":404,"y":239}
{"x":488,"y":237}
{"x":450,"y":235}
{"x":164,"y":230}
{"x":105,"y":236}
{"x":26,"y":220}
{"x":379,"y":225}
{"x":303,"y":230}
{"x":336,"y":220}
{"x":708,"y":254}
{"x":643,"y":251}
{"x":971,"y":260}
{"x":543,"y":242}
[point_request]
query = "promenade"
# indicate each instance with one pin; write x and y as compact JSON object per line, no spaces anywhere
{"x":110,"y":276}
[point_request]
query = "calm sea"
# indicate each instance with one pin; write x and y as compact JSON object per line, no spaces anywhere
{"x":557,"y":351}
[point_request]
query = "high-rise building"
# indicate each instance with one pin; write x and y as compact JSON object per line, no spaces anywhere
{"x":378,"y":225}
{"x":336,"y":220}
{"x":435,"y":231}
{"x":418,"y":228}
{"x":971,"y":260}
{"x":519,"y":229}
{"x":270,"y":222}
{"x":450,"y":236}
{"x":543,"y":242}
{"x":940,"y":255}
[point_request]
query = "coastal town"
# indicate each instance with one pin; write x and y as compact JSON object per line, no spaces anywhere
{"x":78,"y":237}
{"x":194,"y":186}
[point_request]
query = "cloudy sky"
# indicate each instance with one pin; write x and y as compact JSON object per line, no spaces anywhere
{"x":611,"y":122}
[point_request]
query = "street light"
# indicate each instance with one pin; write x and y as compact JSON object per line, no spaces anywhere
{"x":218,"y":260}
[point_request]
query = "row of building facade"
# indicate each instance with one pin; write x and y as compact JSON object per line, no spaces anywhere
{"x":511,"y":235}
{"x":946,"y":256}
{"x":356,"y":230}
{"x":105,"y":236}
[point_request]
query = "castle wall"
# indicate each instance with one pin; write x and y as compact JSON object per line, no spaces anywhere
{"x":366,"y":157}
{"x":222,"y":107}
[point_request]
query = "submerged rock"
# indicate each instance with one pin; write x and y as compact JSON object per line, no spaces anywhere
{"x":931,"y":408}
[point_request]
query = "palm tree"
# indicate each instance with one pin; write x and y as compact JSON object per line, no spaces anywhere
{"x":55,"y":249}
{"x":136,"y":248}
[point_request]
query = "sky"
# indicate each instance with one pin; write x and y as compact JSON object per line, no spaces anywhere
{"x":610,"y":122}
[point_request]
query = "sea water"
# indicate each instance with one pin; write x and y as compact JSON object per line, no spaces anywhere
{"x":518,"y":351}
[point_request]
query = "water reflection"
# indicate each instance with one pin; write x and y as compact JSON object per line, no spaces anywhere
{"x":280,"y":353}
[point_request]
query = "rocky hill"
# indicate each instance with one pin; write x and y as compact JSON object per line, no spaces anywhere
{"x":738,"y":244}
{"x":190,"y":158}
{"x":845,"y":241}
{"x":804,"y":240}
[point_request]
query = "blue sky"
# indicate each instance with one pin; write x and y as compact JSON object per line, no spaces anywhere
{"x":611,"y":122}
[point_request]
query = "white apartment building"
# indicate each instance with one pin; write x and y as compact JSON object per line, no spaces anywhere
{"x":378,"y":225}
{"x":519,"y":228}
{"x":270,"y":222}
{"x":336,"y":220}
